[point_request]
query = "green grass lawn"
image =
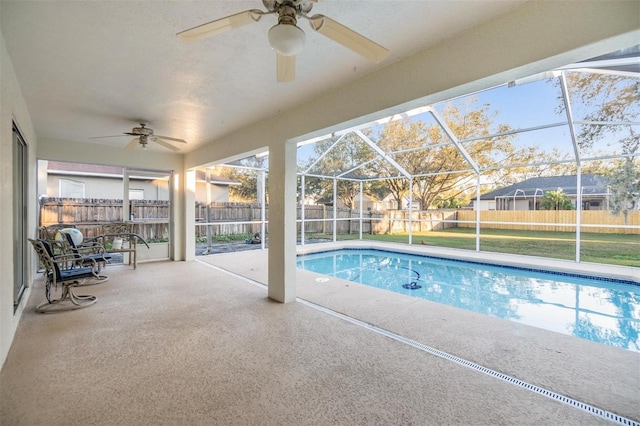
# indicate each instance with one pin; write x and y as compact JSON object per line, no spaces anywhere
{"x":613,"y":249}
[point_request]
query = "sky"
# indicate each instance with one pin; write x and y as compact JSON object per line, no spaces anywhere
{"x":521,"y":106}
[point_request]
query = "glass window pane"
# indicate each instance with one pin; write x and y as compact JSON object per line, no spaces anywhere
{"x":71,"y":189}
{"x":136,"y":194}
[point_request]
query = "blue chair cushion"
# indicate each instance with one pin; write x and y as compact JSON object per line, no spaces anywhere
{"x":76,"y":273}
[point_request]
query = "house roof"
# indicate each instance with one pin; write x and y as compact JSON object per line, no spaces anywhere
{"x":80,"y":169}
{"x":592,"y":184}
{"x":201,"y":176}
{"x":62,"y":167}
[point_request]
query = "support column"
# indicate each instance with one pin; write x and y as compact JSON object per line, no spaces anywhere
{"x":208,"y":209}
{"x":335,"y":210}
{"x":361,"y":195}
{"x":126,"y":208}
{"x":262,"y":199}
{"x":187,"y":238}
{"x":302,"y":209}
{"x":410,"y":210}
{"x":477,"y":207}
{"x":282,"y":222}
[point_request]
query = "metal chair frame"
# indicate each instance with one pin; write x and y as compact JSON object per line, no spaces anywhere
{"x":67,"y":272}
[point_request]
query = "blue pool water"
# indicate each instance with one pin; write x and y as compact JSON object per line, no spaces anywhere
{"x":601,"y":310}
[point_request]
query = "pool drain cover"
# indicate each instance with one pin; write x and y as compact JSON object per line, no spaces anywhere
{"x":412,"y":286}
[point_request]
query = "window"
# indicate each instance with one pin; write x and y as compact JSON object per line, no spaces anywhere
{"x":71,"y":189}
{"x":136,"y":194}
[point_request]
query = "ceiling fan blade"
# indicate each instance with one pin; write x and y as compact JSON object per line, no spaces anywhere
{"x":131,"y":144}
{"x":221,"y":25}
{"x":286,"y":68}
{"x":165,"y":144}
{"x":102,"y":137}
{"x":348,"y":38}
{"x":170,"y":139}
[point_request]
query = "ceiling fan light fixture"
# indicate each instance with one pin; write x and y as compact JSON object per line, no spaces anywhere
{"x":287,"y":39}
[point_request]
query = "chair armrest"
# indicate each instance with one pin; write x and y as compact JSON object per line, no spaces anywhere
{"x":126,"y":237}
{"x":93,"y":247}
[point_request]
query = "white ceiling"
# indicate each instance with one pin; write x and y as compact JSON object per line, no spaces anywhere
{"x":95,"y":68}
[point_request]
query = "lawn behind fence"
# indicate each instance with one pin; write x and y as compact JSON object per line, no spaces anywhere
{"x":612,"y":249}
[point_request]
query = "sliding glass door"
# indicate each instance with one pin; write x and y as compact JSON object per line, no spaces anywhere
{"x":20,"y":188}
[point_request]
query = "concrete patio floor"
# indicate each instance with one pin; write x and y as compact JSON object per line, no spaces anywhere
{"x":596,"y":374}
{"x":199,"y":342}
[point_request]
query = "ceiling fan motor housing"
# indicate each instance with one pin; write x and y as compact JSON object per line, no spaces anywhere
{"x":303,"y":6}
{"x":142,"y":131}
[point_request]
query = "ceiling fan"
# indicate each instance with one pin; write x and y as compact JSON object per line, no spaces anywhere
{"x":143,"y":135}
{"x":286,"y":38}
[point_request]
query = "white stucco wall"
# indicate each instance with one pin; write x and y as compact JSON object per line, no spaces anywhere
{"x":12,"y":109}
{"x":219,"y":194}
{"x":108,"y":187}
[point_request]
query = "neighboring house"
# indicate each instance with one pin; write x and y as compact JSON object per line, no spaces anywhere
{"x":75,"y":180}
{"x":369,"y":203}
{"x":390,"y":203}
{"x":219,"y":187}
{"x":526,"y":195}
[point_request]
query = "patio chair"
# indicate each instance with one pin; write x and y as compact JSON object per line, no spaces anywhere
{"x":87,"y":252}
{"x":120,"y":238}
{"x":66,"y":272}
{"x":49,"y":232}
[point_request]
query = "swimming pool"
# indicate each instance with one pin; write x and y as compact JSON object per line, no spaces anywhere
{"x":602,"y":310}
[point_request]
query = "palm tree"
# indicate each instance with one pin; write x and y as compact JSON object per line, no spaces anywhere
{"x":555,"y":200}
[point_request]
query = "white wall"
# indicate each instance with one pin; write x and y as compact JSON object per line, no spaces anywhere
{"x":108,"y":187}
{"x":219,"y":193}
{"x":12,"y":109}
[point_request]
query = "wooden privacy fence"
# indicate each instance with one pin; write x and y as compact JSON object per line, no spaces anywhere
{"x":551,"y":220}
{"x":421,"y":221}
{"x":319,"y":219}
{"x":151,"y":218}
{"x":228,"y":212}
{"x":89,"y":214}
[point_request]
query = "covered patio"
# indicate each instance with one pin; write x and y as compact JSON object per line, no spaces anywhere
{"x":236,"y":340}
{"x":157,"y":350}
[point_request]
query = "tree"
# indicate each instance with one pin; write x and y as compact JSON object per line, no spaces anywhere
{"x":339,"y":158}
{"x":624,"y":189}
{"x":606,"y":99}
{"x":395,"y":137}
{"x":611,"y":99}
{"x":555,"y":200}
{"x":438,"y":166}
{"x":248,"y":190}
{"x":542,"y":164}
